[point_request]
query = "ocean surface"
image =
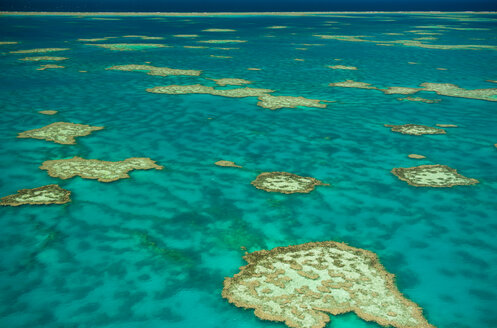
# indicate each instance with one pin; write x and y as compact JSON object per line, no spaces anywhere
{"x":153,"y":250}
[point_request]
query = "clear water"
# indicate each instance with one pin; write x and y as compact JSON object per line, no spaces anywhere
{"x":153,"y":250}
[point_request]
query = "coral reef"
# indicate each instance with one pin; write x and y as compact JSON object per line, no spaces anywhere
{"x":48,"y":112}
{"x":223,"y":41}
{"x":201,"y":89}
{"x":60,"y":132}
{"x":416,"y":156}
{"x":39,"y":50}
{"x":452,"y":90}
{"x":230,"y":81}
{"x":152,"y":70}
{"x":343,"y":67}
{"x":43,"y":58}
{"x":300,"y":284}
{"x":276,"y":102}
{"x":144,"y":37}
{"x":218,"y":30}
{"x":103,"y":171}
{"x":48,"y":66}
{"x":286,"y":183}
{"x":432,"y":176}
{"x":408,"y":43}
{"x":127,"y":46}
{"x":227,"y":163}
{"x":50,"y":194}
{"x":444,"y":89}
{"x":415,"y":129}
{"x":446,"y":125}
{"x":420,"y":99}
{"x":217,"y":56}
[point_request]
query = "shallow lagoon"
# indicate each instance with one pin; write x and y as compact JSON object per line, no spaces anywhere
{"x":153,"y":250}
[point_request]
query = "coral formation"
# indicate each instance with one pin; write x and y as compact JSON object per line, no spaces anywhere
{"x":300,"y":284}
{"x":230,"y":81}
{"x":97,"y":39}
{"x":408,"y":43}
{"x":60,"y":132}
{"x":420,"y":99}
{"x":201,"y":89}
{"x":127,"y":46}
{"x":217,"y":56}
{"x":343,"y":67}
{"x":48,"y":112}
{"x":415,"y":129}
{"x":416,"y":156}
{"x":286,"y":183}
{"x":227,"y":163}
{"x":50,"y":194}
{"x":103,"y":171}
{"x":276,"y":102}
{"x":432,"y":176}
{"x":158,"y":71}
{"x":48,"y":66}
{"x":452,"y":90}
{"x":223,"y":41}
{"x":218,"y":30}
{"x":446,"y":125}
{"x":39,"y":50}
{"x":185,"y":35}
{"x":444,"y":89}
{"x":352,"y":84}
{"x":144,"y":37}
{"x":43,"y":58}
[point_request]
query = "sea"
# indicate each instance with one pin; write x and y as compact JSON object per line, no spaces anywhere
{"x":153,"y":250}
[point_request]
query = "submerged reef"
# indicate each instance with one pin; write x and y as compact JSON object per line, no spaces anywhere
{"x":452,"y":90}
{"x":185,"y":35}
{"x":223,"y":41}
{"x":407,"y":43}
{"x":265,"y":100}
{"x":230,"y":81}
{"x":127,"y":46}
{"x":158,"y":71}
{"x":217,"y":56}
{"x":48,"y":66}
{"x":144,"y":37}
{"x":446,"y":125}
{"x":50,"y":194}
{"x":48,"y":112}
{"x":432,"y":176}
{"x":343,"y":67}
{"x":415,"y":129}
{"x":103,"y":171}
{"x":97,"y":39}
{"x":60,"y":132}
{"x":39,"y":50}
{"x":416,"y":156}
{"x":286,"y":183}
{"x":227,"y":163}
{"x":201,"y":89}
{"x":420,"y":99}
{"x":219,"y":30}
{"x":276,"y":102}
{"x":444,"y":89}
{"x":8,"y":42}
{"x":301,"y":284}
{"x":43,"y":58}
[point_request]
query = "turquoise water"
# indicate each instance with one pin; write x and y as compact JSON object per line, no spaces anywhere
{"x":153,"y":250}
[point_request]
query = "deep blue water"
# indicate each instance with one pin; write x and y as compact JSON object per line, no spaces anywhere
{"x":153,"y":250}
